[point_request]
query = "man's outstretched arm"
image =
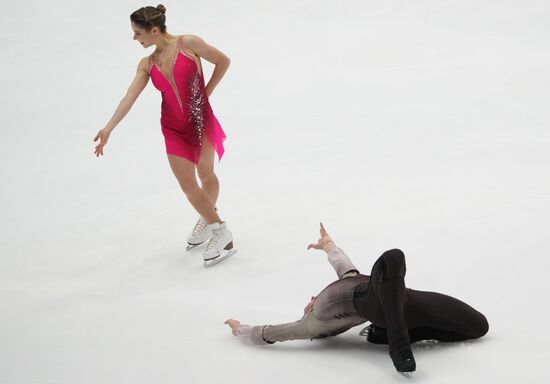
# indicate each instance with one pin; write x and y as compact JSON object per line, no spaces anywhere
{"x":269,"y":334}
{"x":336,"y":256}
{"x":341,"y":263}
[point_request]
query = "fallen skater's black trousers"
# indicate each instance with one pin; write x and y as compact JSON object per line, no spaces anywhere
{"x":410,"y":315}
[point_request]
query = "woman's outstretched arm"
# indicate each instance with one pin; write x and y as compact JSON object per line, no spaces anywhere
{"x":137,"y":85}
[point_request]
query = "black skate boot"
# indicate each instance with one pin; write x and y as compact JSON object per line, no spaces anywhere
{"x":374,"y":334}
{"x":403,"y":358}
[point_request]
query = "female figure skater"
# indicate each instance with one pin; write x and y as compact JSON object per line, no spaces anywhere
{"x":191,"y":131}
{"x":399,"y":315}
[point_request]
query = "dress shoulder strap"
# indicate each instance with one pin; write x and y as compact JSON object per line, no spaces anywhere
{"x":179,"y":44}
{"x":184,"y":49}
{"x":151,"y":62}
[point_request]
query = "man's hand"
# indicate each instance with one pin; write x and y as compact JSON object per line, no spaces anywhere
{"x":325,"y":242}
{"x":309,"y":306}
{"x":234,"y":325}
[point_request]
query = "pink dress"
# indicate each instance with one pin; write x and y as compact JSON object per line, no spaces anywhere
{"x":186,"y":116}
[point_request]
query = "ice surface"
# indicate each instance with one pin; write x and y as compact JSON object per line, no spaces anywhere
{"x":420,"y":125}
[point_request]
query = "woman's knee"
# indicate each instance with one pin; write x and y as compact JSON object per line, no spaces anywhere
{"x":191,"y":190}
{"x":206,"y":173}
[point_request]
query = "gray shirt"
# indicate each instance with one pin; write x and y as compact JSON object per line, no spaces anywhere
{"x":332,"y":312}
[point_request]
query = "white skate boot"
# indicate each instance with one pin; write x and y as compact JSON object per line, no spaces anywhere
{"x":200,"y":233}
{"x":220,"y":246}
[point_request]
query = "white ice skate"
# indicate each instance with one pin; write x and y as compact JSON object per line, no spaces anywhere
{"x":200,"y":233}
{"x":220,"y":246}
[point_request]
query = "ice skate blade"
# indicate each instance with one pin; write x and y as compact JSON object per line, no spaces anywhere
{"x":219,"y":259}
{"x":192,"y":246}
{"x":365,"y":331}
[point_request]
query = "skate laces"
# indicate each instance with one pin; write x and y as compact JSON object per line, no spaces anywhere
{"x":199,"y":227}
{"x":216,"y":237}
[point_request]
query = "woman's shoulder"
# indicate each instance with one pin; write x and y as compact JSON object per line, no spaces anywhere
{"x":145,"y":63}
{"x":188,"y":36}
{"x":190,"y":39}
{"x":145,"y":60}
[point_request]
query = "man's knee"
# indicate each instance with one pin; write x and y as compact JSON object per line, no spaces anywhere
{"x":395,"y":254}
{"x":394,"y":263}
{"x":481,"y":328}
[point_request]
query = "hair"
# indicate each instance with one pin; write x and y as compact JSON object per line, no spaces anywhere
{"x":149,"y":17}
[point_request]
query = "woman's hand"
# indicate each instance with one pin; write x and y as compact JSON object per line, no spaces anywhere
{"x":234,"y":325}
{"x":103,"y":136}
{"x":325,"y":242}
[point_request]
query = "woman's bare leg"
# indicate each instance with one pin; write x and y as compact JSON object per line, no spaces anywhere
{"x":184,"y":170}
{"x":205,"y":170}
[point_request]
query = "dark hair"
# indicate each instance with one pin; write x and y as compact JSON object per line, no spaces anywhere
{"x":149,"y":17}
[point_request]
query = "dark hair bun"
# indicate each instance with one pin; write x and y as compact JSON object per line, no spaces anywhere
{"x":161,"y":8}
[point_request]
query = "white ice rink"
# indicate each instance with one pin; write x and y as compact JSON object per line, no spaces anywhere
{"x":422,"y":125}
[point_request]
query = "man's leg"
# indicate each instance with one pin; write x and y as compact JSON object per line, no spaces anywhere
{"x":435,"y":316}
{"x":386,"y":301}
{"x":387,"y":285}
{"x":440,"y":317}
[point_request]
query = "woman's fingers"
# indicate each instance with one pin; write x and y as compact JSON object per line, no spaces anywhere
{"x":102,"y":142}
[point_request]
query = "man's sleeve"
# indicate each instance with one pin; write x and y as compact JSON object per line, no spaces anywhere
{"x":269,"y":334}
{"x":341,"y":263}
{"x":251,"y":335}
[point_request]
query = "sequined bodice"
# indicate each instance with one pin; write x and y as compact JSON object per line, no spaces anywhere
{"x":183,"y":92}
